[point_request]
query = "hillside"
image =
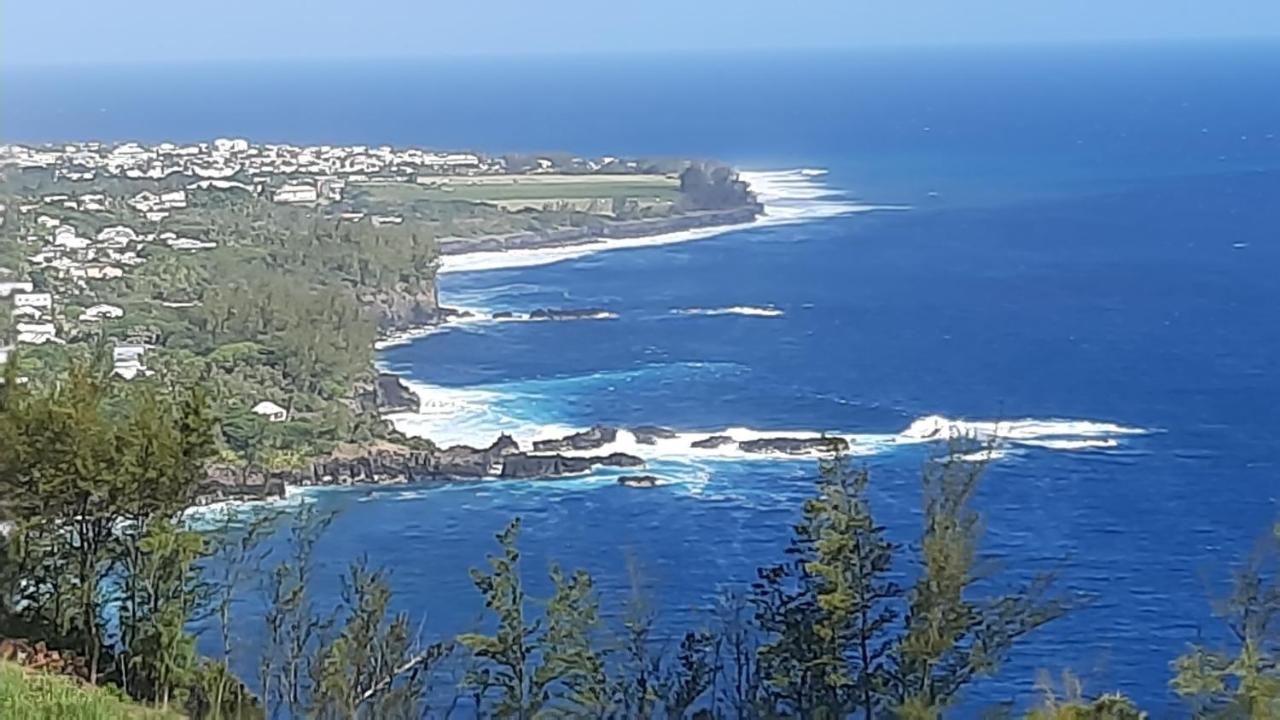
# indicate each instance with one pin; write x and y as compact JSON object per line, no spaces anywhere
{"x":33,"y":695}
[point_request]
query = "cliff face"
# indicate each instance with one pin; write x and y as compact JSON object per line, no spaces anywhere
{"x":406,"y":305}
{"x":603,"y":230}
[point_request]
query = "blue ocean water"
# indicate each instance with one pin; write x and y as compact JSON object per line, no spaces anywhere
{"x":1091,"y":236}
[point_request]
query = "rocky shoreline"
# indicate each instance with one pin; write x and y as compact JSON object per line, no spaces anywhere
{"x":416,"y":308}
{"x":389,"y":463}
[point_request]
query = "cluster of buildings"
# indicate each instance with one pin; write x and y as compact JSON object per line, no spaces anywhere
{"x":226,"y":158}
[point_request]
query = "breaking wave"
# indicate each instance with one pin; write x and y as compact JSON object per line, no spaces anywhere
{"x":747,"y":310}
{"x":788,"y":196}
{"x":476,"y":417}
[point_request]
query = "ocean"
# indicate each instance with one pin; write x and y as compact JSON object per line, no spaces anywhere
{"x":1073,"y":248}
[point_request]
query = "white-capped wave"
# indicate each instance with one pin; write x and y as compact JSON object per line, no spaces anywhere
{"x":471,"y":416}
{"x":747,"y":310}
{"x":788,"y":196}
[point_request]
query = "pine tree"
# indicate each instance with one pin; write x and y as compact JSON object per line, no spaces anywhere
{"x":828,"y":612}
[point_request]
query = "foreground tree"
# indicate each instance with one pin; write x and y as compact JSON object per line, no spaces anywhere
{"x":542,"y":666}
{"x":843,"y":638}
{"x":95,"y":475}
{"x":1242,"y":680}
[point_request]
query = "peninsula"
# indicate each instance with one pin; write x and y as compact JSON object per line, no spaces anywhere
{"x":269,"y":271}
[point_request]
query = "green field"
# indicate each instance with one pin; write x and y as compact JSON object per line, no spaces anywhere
{"x":651,"y":188}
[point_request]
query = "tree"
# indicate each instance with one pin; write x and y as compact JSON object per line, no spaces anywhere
{"x":1242,"y":681}
{"x":828,"y":611}
{"x":841,"y":636}
{"x":88,"y":467}
{"x":951,"y":638}
{"x":1074,"y":706}
{"x":548,"y":665}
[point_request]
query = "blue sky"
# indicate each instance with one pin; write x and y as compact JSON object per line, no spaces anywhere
{"x":95,"y":31}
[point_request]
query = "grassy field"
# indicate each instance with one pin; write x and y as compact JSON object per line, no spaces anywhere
{"x":39,"y":696}
{"x":547,"y":188}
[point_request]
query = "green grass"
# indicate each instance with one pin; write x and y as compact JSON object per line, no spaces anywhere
{"x":39,"y":696}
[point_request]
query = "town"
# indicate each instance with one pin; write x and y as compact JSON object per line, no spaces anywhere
{"x":77,"y":217}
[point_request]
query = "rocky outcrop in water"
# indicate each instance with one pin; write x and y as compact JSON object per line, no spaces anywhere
{"x":651,"y":434}
{"x":388,"y":463}
{"x":794,"y":446}
{"x":593,"y":439}
{"x":639,"y":481}
{"x":713,"y":442}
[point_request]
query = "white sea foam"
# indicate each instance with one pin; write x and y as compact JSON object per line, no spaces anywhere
{"x":473,"y":417}
{"x":747,"y":310}
{"x":788,"y":196}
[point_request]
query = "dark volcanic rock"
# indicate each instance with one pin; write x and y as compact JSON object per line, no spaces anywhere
{"x":619,"y":460}
{"x":561,"y":314}
{"x":392,"y":395}
{"x":223,"y":482}
{"x":794,"y":446}
{"x":639,"y":481}
{"x":596,"y":437}
{"x":551,"y":466}
{"x":503,"y":315}
{"x":650,"y":434}
{"x":712,"y":442}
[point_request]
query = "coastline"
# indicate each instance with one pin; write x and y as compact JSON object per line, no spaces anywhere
{"x":461,"y":421}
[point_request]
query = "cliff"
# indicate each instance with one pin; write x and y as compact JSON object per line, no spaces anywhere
{"x":602,"y":230}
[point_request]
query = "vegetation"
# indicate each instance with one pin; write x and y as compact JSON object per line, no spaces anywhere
{"x":39,"y":696}
{"x":100,"y":563}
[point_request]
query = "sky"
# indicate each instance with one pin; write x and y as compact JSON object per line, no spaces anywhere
{"x":38,"y":32}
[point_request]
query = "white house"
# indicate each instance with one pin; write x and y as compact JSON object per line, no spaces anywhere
{"x":41,"y":301}
{"x":27,"y":313}
{"x":271,"y":411}
{"x":380,"y":220}
{"x":65,"y":236}
{"x":178,"y":243}
{"x":37,"y":333}
{"x":174,"y":199}
{"x":127,"y":360}
{"x":102,"y":312}
{"x":145,"y":201}
{"x":117,"y":236}
{"x":4,"y":354}
{"x":9,"y":288}
{"x":296,"y":193}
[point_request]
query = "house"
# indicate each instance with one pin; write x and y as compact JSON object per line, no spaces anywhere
{"x":102,"y":312}
{"x":40,"y":301}
{"x":117,"y":236}
{"x":103,"y":272}
{"x":174,"y":199}
{"x":127,"y":360}
{"x":271,"y":411}
{"x":27,"y":313}
{"x":380,"y":220}
{"x":145,"y":201}
{"x":65,"y":236}
{"x":37,"y":333}
{"x":4,"y":355}
{"x":295,"y":193}
{"x":9,"y":288}
{"x":178,"y":243}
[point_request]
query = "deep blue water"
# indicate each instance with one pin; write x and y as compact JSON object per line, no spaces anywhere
{"x":1092,"y":235}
